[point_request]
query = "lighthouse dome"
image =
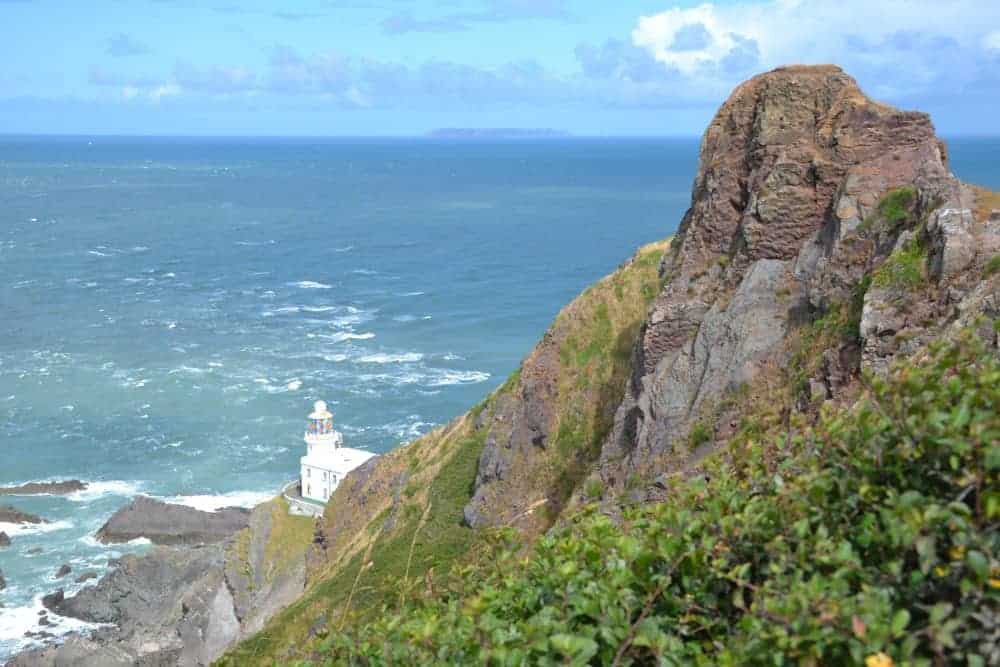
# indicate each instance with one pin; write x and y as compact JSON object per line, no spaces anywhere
{"x":320,"y":411}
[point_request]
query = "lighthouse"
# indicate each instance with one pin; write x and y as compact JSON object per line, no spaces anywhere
{"x":327,"y":461}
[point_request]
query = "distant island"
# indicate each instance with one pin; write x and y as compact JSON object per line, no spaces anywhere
{"x":497,"y":133}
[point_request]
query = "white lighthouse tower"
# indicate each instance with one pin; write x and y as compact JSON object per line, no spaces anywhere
{"x":327,"y":461}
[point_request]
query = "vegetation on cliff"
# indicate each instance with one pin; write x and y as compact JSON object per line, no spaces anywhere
{"x":398,"y":532}
{"x":871,"y":537}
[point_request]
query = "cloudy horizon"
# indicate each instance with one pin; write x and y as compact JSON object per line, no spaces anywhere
{"x":405,"y":67}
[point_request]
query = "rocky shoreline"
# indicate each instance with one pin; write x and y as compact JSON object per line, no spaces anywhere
{"x":60,"y":488}
{"x":210,"y":580}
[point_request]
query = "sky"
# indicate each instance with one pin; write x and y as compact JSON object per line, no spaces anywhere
{"x":404,"y":67}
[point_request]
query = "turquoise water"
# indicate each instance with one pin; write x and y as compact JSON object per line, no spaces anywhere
{"x":169,"y":309}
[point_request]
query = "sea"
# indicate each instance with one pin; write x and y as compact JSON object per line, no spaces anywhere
{"x":170,"y":308}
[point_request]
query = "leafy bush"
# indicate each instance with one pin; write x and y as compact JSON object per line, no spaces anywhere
{"x":895,"y":205}
{"x":870,"y":539}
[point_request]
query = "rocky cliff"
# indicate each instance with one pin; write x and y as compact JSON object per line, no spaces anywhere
{"x":183,"y":605}
{"x":812,"y":203}
{"x":826,"y":237}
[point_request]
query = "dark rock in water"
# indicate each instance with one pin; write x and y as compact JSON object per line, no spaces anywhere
{"x":4,"y":539}
{"x":44,"y":488}
{"x":10,"y":514}
{"x":52,"y":601}
{"x":63,"y":570}
{"x":177,"y":605}
{"x":3,"y":582}
{"x":34,"y":551}
{"x":44,"y":620}
{"x":86,"y":576}
{"x":164,"y":523}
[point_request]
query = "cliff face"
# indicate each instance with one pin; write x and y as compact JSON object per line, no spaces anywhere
{"x":826,"y":236}
{"x":808,"y":195}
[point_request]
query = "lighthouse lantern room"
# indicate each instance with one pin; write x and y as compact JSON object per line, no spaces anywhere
{"x":327,"y":461}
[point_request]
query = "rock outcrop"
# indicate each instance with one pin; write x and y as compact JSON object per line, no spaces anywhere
{"x":10,"y":514}
{"x":165,"y":523}
{"x":185,"y":604}
{"x":4,"y":539}
{"x":44,"y":488}
{"x":808,"y":195}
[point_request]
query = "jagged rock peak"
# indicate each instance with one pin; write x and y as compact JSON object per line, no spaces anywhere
{"x":790,"y":167}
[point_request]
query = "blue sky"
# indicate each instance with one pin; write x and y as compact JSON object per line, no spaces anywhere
{"x":403,"y":67}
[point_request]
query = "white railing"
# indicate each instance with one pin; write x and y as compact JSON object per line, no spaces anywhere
{"x":292,"y":493}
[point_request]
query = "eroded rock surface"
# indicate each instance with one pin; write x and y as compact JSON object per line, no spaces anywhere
{"x":165,"y":523}
{"x":182,"y":604}
{"x":786,"y":221}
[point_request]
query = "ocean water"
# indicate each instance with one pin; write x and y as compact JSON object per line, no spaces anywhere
{"x":170,"y":308}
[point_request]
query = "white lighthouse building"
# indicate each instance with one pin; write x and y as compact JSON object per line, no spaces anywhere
{"x":326,"y":462}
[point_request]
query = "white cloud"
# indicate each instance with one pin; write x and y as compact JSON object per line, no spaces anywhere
{"x":915,"y":44}
{"x":686,"y":39}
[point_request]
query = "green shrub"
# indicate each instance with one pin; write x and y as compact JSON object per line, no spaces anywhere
{"x":895,"y":206}
{"x":869,"y":538}
{"x":993,"y":266}
{"x":700,"y":434}
{"x":903,"y":269}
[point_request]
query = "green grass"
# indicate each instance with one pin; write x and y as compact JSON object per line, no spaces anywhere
{"x":992,"y":266}
{"x":895,"y":206}
{"x":597,"y":333}
{"x":289,"y":539}
{"x":904,"y":269}
{"x":441,"y":541}
{"x":700,"y":434}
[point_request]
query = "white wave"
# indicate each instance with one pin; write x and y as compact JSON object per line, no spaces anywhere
{"x":365,"y":272}
{"x":346,"y":248}
{"x":318,"y":309}
{"x":211,"y":503}
{"x":412,"y":294}
{"x":311,"y":284}
{"x":98,"y":253}
{"x":101,"y":489}
{"x":294,"y":385}
{"x":404,"y":318}
{"x":188,"y":369}
{"x":139,"y":248}
{"x":33,"y":528}
{"x":337,"y":358}
{"x":446,"y":378}
{"x":382,"y":358}
{"x":452,"y":357}
{"x":347,"y":335}
{"x":16,"y":621}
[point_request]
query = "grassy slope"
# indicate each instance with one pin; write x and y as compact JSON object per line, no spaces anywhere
{"x":402,"y":545}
